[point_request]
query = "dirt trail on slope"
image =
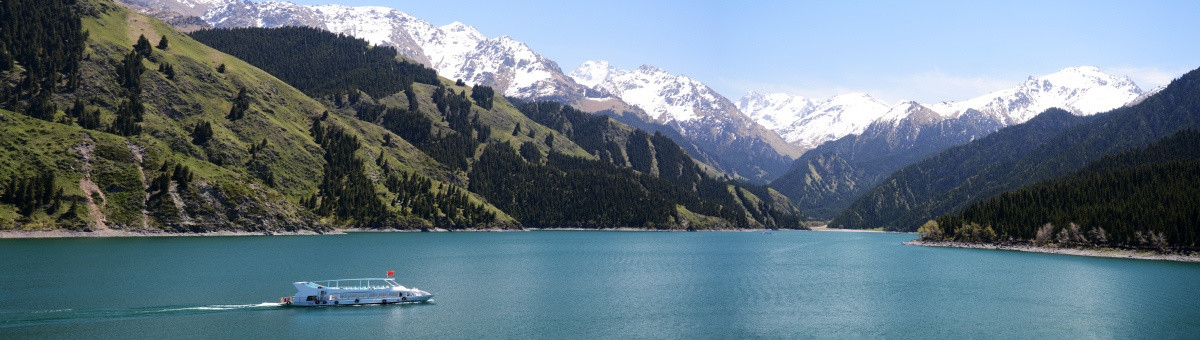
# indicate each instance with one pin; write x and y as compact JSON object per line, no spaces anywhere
{"x":138,"y":155}
{"x":89,"y":188}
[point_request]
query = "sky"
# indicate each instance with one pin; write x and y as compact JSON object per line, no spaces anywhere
{"x":928,"y":51}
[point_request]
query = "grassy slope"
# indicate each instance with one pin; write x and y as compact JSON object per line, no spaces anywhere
{"x":228,"y":194}
{"x":279,"y":114}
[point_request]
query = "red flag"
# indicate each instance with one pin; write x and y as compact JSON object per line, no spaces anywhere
{"x":391,"y":272}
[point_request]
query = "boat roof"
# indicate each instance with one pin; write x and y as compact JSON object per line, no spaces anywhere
{"x":360,"y":279}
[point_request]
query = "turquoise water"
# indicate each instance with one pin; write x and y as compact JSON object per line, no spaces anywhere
{"x":573,"y":284}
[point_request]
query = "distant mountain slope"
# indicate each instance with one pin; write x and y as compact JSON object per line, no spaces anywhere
{"x":1141,"y":198}
{"x":1082,"y":90}
{"x":834,"y":174}
{"x":953,"y":179}
{"x":740,"y":145}
{"x":828,"y":178}
{"x":807,"y":123}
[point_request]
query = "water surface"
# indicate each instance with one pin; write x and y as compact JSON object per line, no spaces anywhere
{"x":574,"y":284}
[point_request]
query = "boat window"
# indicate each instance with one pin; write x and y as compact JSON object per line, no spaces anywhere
{"x":311,"y":298}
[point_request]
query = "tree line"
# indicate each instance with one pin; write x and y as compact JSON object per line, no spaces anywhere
{"x":1143,"y":198}
{"x":318,"y":62}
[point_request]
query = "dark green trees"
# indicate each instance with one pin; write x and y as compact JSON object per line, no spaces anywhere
{"x":1143,"y":198}
{"x":318,"y":62}
{"x":482,"y":95}
{"x":201,"y":133}
{"x":129,"y":113}
{"x":241,"y":103}
{"x":46,"y":39}
{"x":143,"y":48}
{"x":167,"y":70}
{"x":162,"y":43}
{"x":31,"y":193}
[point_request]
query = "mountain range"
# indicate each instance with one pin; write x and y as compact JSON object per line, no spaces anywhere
{"x":1083,"y":90}
{"x":723,"y":137}
{"x":868,"y":140}
{"x":821,"y":153}
{"x":1052,"y":144}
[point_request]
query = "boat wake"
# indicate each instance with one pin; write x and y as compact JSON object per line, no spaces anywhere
{"x":18,"y":318}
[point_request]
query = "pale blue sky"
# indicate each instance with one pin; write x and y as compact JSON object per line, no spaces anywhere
{"x":926,"y":51}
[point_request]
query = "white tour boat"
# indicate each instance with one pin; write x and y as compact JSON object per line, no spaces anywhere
{"x":353,"y":292}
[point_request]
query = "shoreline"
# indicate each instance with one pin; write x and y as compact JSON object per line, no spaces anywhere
{"x":35,"y":234}
{"x":1106,"y":252}
{"x":841,"y":230}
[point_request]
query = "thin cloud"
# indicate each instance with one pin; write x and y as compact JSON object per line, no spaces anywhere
{"x":1147,"y":77}
{"x":937,"y":86}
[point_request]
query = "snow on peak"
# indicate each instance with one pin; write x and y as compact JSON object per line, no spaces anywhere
{"x":593,"y":72}
{"x":1083,"y":90}
{"x":808,"y":123}
{"x":455,"y":51}
{"x":775,"y":111}
{"x":464,"y":31}
{"x":664,"y":96}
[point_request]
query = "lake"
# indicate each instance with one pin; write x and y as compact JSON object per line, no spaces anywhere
{"x":580,"y":284}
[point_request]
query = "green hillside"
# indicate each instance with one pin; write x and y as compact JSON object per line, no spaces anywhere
{"x":567,"y":157}
{"x":251,"y":174}
{"x":1142,"y":198}
{"x":154,"y":131}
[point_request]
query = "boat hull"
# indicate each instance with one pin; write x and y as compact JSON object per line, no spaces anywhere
{"x":359,"y":302}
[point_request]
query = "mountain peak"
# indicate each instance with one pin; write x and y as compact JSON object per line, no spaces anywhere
{"x":1082,"y":90}
{"x":462,"y":29}
{"x":594,"y":72}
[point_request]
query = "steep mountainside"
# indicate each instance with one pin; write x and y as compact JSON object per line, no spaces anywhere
{"x":828,"y":178}
{"x":727,"y":140}
{"x":708,"y":119}
{"x":455,"y":51}
{"x":562,"y":161}
{"x":957,"y":177}
{"x":1142,"y":198}
{"x":208,"y":142}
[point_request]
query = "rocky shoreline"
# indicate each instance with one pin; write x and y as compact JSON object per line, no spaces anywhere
{"x":18,"y":234}
{"x":1105,"y":252}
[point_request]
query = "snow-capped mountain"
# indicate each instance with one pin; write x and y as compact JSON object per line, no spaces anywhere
{"x":458,"y":51}
{"x":664,"y":96}
{"x":693,"y":108}
{"x":807,"y":123}
{"x":194,"y":8}
{"x":1083,"y":90}
{"x":455,"y":51}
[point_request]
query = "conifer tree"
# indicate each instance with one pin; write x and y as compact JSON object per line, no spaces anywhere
{"x":241,"y":103}
{"x":201,"y":133}
{"x":143,"y":47}
{"x":162,"y":43}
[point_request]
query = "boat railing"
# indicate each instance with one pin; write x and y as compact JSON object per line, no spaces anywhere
{"x":357,"y":284}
